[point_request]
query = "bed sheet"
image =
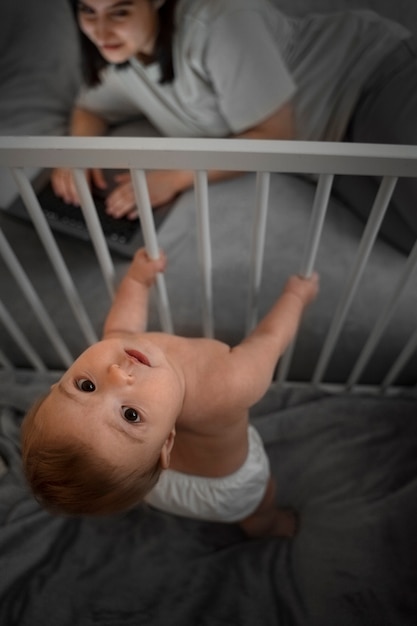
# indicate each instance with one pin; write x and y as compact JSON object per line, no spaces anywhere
{"x":348,"y":464}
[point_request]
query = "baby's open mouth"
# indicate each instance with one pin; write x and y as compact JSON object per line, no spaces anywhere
{"x":138,"y":357}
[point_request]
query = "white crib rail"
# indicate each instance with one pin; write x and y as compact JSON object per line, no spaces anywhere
{"x":200,"y":155}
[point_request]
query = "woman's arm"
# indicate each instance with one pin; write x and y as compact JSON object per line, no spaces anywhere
{"x":87,"y":124}
{"x":280,"y":125}
{"x":129,"y":311}
{"x":83,"y":124}
{"x":164,"y":186}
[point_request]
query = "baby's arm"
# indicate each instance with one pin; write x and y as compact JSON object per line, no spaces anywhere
{"x":255,"y":358}
{"x":129,"y":311}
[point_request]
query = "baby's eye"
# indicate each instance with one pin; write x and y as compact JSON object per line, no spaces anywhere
{"x":131,"y":415}
{"x":84,"y":384}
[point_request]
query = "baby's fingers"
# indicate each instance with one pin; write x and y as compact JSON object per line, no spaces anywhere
{"x":160,"y":263}
{"x":305,"y":288}
{"x":310,"y":286}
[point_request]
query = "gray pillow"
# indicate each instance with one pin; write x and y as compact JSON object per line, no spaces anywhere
{"x":39,"y":66}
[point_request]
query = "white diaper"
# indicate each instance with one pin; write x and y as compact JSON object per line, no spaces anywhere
{"x":227,"y":499}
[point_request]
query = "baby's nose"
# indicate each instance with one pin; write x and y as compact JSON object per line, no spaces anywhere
{"x":118,"y":375}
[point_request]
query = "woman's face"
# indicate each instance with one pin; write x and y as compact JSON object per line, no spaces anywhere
{"x":120,"y":29}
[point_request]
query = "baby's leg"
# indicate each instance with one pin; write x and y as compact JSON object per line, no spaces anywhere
{"x":268,"y":520}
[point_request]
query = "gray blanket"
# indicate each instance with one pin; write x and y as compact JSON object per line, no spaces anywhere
{"x":348,"y":464}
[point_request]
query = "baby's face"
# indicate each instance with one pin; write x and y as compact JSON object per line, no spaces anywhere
{"x":120,"y":397}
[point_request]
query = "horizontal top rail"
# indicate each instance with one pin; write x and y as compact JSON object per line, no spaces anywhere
{"x":303,"y":157}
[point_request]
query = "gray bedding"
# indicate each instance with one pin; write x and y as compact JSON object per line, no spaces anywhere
{"x":348,"y":464}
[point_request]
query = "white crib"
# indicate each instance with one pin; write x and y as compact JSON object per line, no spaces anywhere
{"x":320,"y":160}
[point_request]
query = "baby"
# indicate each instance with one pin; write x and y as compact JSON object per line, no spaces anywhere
{"x":161,"y":418}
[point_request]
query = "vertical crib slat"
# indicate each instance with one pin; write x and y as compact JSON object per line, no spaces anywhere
{"x":54,"y":254}
{"x":204,"y":249}
{"x":320,"y":204}
{"x":399,"y":363}
{"x":380,"y":205}
{"x":5,"y":362}
{"x":383,"y":319}
{"x":94,"y":228}
{"x":151,"y":242}
{"x":32,"y":297}
{"x":257,"y":249}
{"x":21,"y":340}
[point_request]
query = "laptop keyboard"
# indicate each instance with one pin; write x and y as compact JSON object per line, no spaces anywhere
{"x":123,"y":236}
{"x":70,"y":218}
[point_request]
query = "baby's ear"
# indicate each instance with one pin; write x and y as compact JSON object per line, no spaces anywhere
{"x":166,"y":450}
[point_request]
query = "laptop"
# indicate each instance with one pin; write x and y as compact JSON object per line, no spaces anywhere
{"x":123,"y":236}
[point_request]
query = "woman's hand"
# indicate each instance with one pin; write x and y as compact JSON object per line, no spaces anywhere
{"x":163,"y":186}
{"x":83,"y":124}
{"x":63,"y":184}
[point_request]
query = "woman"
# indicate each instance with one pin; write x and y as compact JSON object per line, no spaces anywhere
{"x":241,"y":68}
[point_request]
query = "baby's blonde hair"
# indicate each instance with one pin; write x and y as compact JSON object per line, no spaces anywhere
{"x":68,"y":477}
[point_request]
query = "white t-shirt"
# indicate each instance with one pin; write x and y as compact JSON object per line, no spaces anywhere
{"x":238,"y":61}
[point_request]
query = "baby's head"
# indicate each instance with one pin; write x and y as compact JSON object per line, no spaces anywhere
{"x":96,"y":444}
